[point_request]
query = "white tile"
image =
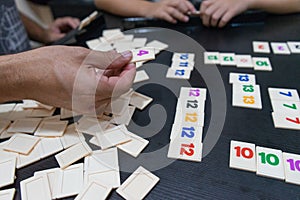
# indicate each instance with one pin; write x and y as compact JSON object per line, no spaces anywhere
{"x":135,"y":146}
{"x":185,"y":149}
{"x":94,"y":190}
{"x":269,"y":163}
{"x":139,"y":42}
{"x":49,"y":146}
{"x":142,"y":54}
{"x":183,"y":64}
{"x":4,"y":124}
{"x":140,"y":100}
{"x":103,"y":47}
{"x":286,"y":121}
{"x":186,"y":130}
{"x":189,"y":115}
{"x":190,"y":103}
{"x":138,"y":184}
{"x":211,"y":58}
{"x":262,"y":64}
{"x":110,"y":178}
{"x":261,"y":47}
{"x":117,"y":106}
{"x":21,"y":143}
{"x":239,"y":78}
{"x":242,"y":156}
{"x":7,"y":194}
{"x":25,"y":160}
{"x":140,"y":76}
{"x":7,"y":171}
{"x":247,"y":96}
{"x":125,"y":118}
{"x":112,"y":137}
{"x":191,"y":92}
{"x":70,"y":181}
{"x":286,"y":107}
{"x":294,"y":46}
{"x":19,"y":112}
{"x":292,"y":168}
{"x":178,"y":73}
{"x":280,"y":48}
{"x":227,"y":59}
{"x":92,"y":44}
{"x":35,"y":188}
{"x":283,"y":94}
{"x":183,"y":57}
{"x":244,"y":61}
{"x":26,"y":125}
{"x":102,"y":160}
{"x":65,"y":114}
{"x":71,"y":137}
{"x":157,"y":45}
{"x":72,"y":154}
{"x":41,"y":112}
{"x":91,"y":125}
{"x":6,"y":109}
{"x":51,"y":129}
{"x":52,"y":175}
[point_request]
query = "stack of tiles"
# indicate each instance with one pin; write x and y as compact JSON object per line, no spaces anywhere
{"x":286,"y":108}
{"x":282,"y":48}
{"x":272,"y":163}
{"x":182,"y":66}
{"x":245,"y":93}
{"x":240,"y":61}
{"x":186,"y":135}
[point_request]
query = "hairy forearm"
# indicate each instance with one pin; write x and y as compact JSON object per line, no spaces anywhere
{"x":35,"y":31}
{"x":138,"y":8}
{"x":17,"y":76}
{"x":276,"y":6}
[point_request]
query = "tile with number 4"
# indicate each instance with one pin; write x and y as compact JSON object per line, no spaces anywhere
{"x":142,"y":54}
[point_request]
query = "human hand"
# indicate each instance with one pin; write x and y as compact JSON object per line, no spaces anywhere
{"x":171,"y":10}
{"x":79,"y":79}
{"x":59,"y":28}
{"x":217,"y":13}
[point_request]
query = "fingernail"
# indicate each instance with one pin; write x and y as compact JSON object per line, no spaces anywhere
{"x":126,"y":54}
{"x":186,"y":19}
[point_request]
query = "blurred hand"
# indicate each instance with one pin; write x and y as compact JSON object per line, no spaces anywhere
{"x":217,"y":13}
{"x":171,"y":10}
{"x":59,"y":28}
{"x":79,"y":79}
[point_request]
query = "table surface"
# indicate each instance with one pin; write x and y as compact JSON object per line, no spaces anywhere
{"x":212,"y":178}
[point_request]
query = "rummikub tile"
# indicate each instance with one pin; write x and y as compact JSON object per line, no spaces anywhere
{"x":35,"y":188}
{"x":138,"y":185}
{"x":70,"y":181}
{"x":283,"y":94}
{"x":261,"y":47}
{"x":26,"y":125}
{"x":211,"y":58}
{"x":72,"y":154}
{"x":142,"y":54}
{"x":269,"y":163}
{"x":280,"y":48}
{"x":21,"y":143}
{"x":292,"y":168}
{"x":94,"y":190}
{"x":262,"y":64}
{"x":51,"y":129}
{"x":242,"y":156}
{"x":7,"y":171}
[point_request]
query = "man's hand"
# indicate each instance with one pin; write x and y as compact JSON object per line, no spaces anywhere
{"x":70,"y":77}
{"x":171,"y":10}
{"x":217,"y":13}
{"x":59,"y":28}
